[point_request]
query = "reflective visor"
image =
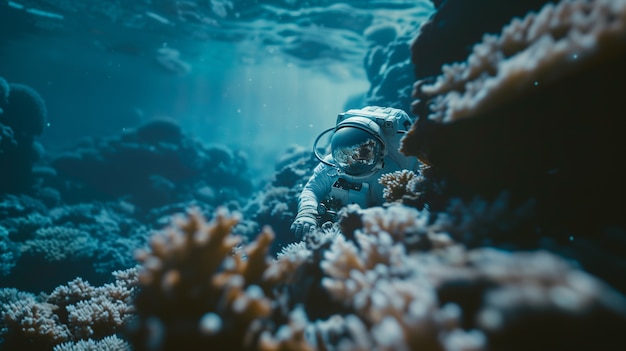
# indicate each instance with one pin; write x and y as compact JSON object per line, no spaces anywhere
{"x":358,"y":157}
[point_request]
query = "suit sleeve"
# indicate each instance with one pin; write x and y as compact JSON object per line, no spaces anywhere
{"x":315,"y":190}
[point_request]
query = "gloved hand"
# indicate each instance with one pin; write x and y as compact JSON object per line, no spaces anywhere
{"x":302,"y":225}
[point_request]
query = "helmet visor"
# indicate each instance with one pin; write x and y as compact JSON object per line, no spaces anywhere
{"x":359,"y":157}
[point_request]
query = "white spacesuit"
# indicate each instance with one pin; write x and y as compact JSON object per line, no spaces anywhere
{"x":364,"y":145}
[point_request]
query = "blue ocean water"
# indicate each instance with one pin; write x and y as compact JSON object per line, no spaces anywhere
{"x":153,"y":154}
{"x":256,"y":76}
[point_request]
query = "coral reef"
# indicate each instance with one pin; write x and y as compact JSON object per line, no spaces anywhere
{"x":83,"y":216}
{"x":510,"y":237}
{"x":198,"y":289}
{"x":397,"y":283}
{"x":89,"y":240}
{"x":538,"y":49}
{"x":456,"y":25}
{"x":162,"y":166}
{"x":400,"y":186}
{"x":385,"y":291}
{"x":69,"y":314}
{"x":521,"y":113}
{"x":76,"y":222}
{"x":107,"y":343}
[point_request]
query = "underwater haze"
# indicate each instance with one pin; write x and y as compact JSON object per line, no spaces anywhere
{"x":257,"y":76}
{"x":153,"y":156}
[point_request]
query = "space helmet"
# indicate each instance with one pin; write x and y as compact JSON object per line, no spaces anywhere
{"x":356,"y":146}
{"x":356,"y":151}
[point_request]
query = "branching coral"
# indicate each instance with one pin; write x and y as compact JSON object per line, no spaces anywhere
{"x":403,"y":224}
{"x":509,"y":296}
{"x":422,"y":189}
{"x":199,"y":287}
{"x":451,"y":298}
{"x":112,"y":343}
{"x":528,"y":53}
{"x":398,"y":185}
{"x":60,"y":243}
{"x":71,"y":312}
{"x":89,"y":240}
{"x":520,"y":114}
{"x":202,"y":280}
{"x":393,"y":306}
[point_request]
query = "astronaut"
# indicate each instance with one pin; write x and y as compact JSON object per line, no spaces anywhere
{"x":364,"y":145}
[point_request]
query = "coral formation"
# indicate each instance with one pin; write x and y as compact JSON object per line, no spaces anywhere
{"x":456,"y":25}
{"x":71,"y":313}
{"x":400,"y":185}
{"x":390,"y":294}
{"x":161,"y":165}
{"x":89,"y":240}
{"x":505,"y":239}
{"x":22,"y":117}
{"x":107,"y":343}
{"x":520,"y":112}
{"x":538,"y":49}
{"x":276,"y":204}
{"x":398,"y":283}
{"x":195,"y":276}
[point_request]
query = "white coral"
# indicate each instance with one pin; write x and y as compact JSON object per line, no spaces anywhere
{"x":530,"y":52}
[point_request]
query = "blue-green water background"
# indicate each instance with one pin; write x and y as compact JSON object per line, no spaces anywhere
{"x":263,"y":75}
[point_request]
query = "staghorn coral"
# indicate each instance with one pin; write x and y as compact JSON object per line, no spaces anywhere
{"x":203,"y":281}
{"x":422,"y":190}
{"x":71,"y":312}
{"x":290,"y":336}
{"x":94,"y":312}
{"x":536,"y":50}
